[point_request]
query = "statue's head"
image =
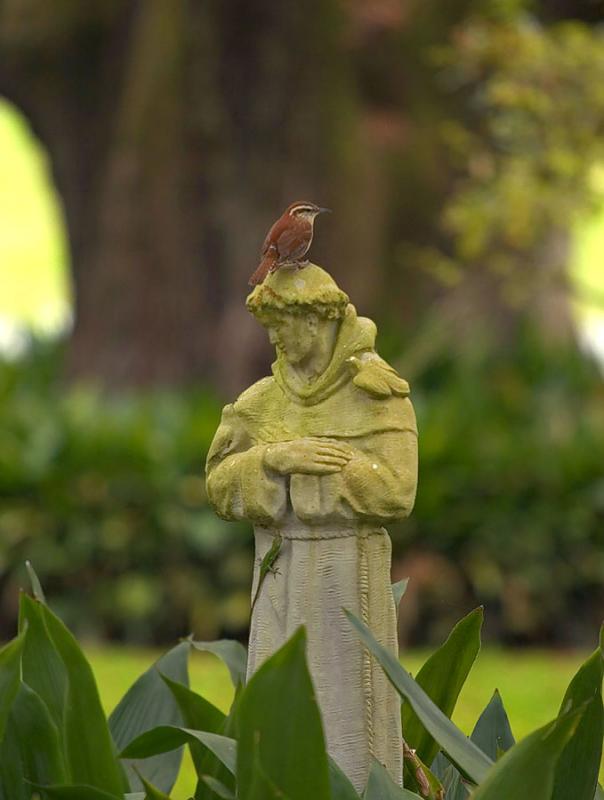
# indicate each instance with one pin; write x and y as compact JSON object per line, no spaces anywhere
{"x":299,"y":309}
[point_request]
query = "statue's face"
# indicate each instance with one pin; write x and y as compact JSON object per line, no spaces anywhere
{"x":294,"y":335}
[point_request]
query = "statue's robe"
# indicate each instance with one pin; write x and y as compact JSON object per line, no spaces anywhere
{"x":335,"y":552}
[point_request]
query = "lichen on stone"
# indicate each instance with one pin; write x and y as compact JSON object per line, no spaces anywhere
{"x":298,"y":291}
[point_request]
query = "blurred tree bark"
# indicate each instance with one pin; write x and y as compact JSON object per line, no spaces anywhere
{"x":179,"y":129}
{"x":177,"y":132}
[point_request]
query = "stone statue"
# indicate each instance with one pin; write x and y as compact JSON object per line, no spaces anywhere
{"x":318,"y":457}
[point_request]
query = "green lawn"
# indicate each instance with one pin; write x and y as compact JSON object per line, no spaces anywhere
{"x":531,"y":683}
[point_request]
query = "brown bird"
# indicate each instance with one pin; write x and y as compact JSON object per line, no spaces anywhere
{"x":288,"y":240}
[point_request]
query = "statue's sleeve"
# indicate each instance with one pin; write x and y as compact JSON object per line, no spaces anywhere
{"x":378,"y":483}
{"x":238,"y":485}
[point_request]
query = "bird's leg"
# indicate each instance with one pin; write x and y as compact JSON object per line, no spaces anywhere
{"x":302,"y":263}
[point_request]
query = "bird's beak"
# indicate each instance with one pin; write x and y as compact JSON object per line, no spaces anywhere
{"x":324,"y":210}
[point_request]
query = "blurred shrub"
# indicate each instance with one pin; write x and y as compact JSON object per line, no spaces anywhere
{"x":511,"y":491}
{"x":105,"y":495}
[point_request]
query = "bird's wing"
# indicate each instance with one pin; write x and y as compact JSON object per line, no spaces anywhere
{"x":286,"y":239}
{"x":273,"y":235}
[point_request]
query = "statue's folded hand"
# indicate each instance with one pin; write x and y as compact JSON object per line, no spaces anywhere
{"x":308,"y":456}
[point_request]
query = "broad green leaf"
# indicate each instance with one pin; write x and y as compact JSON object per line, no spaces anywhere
{"x":12,"y":779}
{"x":218,"y":787}
{"x":466,"y":755}
{"x":528,"y":769}
{"x":442,"y":678}
{"x":380,"y":786}
{"x":450,"y":777}
{"x":42,"y":666}
{"x":260,"y":786}
{"x":398,"y":590}
{"x":232,"y":653}
{"x":75,"y":792}
{"x":10,"y":674}
{"x":151,"y":791}
{"x":200,"y":715}
{"x":599,"y":793}
{"x":278,"y":712}
{"x":341,"y":787}
{"x":36,"y":586}
{"x":168,"y":737}
{"x":147,"y":704}
{"x":89,"y":748}
{"x":492,"y":733}
{"x":579,"y":764}
{"x":37,"y":739}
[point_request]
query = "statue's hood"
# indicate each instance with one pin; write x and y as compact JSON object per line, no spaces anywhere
{"x":356,"y":335}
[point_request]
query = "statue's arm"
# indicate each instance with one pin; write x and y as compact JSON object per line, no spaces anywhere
{"x":380,"y":480}
{"x":238,"y":484}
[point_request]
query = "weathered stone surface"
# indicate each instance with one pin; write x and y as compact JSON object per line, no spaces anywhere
{"x":323,"y":453}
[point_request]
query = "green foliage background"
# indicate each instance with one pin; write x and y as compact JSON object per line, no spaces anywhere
{"x":106,"y":496}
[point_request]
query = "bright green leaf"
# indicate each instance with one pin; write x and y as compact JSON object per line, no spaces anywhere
{"x":147,"y":704}
{"x":10,"y":674}
{"x":232,"y":653}
{"x":468,"y":757}
{"x":579,"y":764}
{"x":528,"y":769}
{"x":89,"y":748}
{"x":278,"y":712}
{"x":442,"y":678}
{"x":380,"y":786}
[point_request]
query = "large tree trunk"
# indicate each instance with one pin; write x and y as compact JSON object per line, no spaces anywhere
{"x":177,"y":131}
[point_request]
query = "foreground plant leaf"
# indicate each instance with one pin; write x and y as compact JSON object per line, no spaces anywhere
{"x":442,"y":678}
{"x":37,"y":743}
{"x":151,"y":791}
{"x":75,"y":792}
{"x":41,"y":664}
{"x":398,"y":590}
{"x":579,"y":764}
{"x":464,"y":753}
{"x":232,"y":653}
{"x":492,"y":733}
{"x":89,"y":748}
{"x":279,"y":715}
{"x":218,"y":788}
{"x":380,"y":786}
{"x":341,"y":787}
{"x":168,"y":737}
{"x":201,"y":715}
{"x":528,"y":769}
{"x":147,"y":704}
{"x":10,"y":674}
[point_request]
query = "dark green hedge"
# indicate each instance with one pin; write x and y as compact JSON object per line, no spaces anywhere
{"x":106,"y":497}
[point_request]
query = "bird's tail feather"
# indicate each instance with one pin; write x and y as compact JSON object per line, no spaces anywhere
{"x":266,"y":265}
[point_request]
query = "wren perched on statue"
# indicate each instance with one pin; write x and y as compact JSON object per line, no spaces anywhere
{"x":288,"y":240}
